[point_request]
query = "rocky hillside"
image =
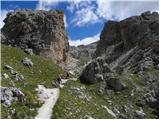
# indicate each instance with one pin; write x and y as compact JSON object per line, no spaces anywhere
{"x":83,"y":52}
{"x":78,"y":57}
{"x":42,"y":31}
{"x":127,"y":60}
{"x":116,"y":77}
{"x":20,"y":78}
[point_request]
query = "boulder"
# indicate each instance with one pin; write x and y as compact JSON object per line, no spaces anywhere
{"x":152,"y":99}
{"x":26,"y":29}
{"x":10,"y":94}
{"x":129,"y":44}
{"x":5,"y":75}
{"x":140,"y":113}
{"x":8,"y":67}
{"x":19,"y":77}
{"x":115,"y":84}
{"x":28,"y":51}
{"x":27,"y":62}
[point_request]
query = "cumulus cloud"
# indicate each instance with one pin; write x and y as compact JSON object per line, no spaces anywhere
{"x":65,"y":21}
{"x":85,"y":41}
{"x":85,"y":16}
{"x":122,"y":9}
{"x":84,"y":12}
{"x":46,"y":4}
{"x":87,"y":13}
{"x":78,"y":4}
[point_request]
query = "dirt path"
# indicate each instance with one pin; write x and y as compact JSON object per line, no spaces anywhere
{"x":49,"y":97}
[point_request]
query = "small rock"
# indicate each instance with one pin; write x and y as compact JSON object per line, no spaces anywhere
{"x":28,"y":51}
{"x":40,"y":71}
{"x":5,"y":75}
{"x":46,"y":96}
{"x":151,"y":98}
{"x":10,"y":94}
{"x":27,"y":62}
{"x":8,"y":67}
{"x":19,"y":77}
{"x":13,"y":72}
{"x":13,"y":111}
{"x":140,"y":114}
{"x":110,"y":111}
{"x":109,"y":101}
{"x":126,"y":108}
{"x":25,"y":84}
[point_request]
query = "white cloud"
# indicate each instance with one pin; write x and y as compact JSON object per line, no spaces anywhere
{"x":65,"y":21}
{"x":84,"y":41}
{"x":3,"y":16}
{"x":85,"y":16}
{"x":83,"y":11}
{"x":77,"y":4}
{"x":46,"y":4}
{"x":87,"y":13}
{"x":123,"y":9}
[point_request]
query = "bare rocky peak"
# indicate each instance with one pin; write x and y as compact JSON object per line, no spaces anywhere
{"x":128,"y":48}
{"x":140,"y":30}
{"x":129,"y":45}
{"x":42,"y":31}
{"x":83,"y":51}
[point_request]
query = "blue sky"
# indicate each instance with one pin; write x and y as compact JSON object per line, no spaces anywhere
{"x":84,"y":19}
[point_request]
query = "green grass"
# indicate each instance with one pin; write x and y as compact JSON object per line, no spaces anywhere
{"x":68,"y":103}
{"x":32,"y":77}
{"x":70,"y":106}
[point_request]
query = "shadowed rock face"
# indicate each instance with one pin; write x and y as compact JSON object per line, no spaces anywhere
{"x":42,"y":31}
{"x":127,"y":58}
{"x":83,"y":52}
{"x":129,"y":44}
{"x":141,"y":31}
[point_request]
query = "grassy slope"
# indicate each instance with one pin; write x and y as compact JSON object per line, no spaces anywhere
{"x":32,"y":76}
{"x":68,"y":104}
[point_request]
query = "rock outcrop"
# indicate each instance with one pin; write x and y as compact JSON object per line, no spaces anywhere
{"x":128,"y":49}
{"x":10,"y":94}
{"x":132,"y":42}
{"x":83,"y":52}
{"x":118,"y":37}
{"x":125,"y":46}
{"x":78,"y":57}
{"x":42,"y":31}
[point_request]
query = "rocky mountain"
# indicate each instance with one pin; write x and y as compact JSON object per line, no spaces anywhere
{"x":127,"y":55}
{"x":39,"y":30}
{"x":83,"y":52}
{"x":116,"y":77}
{"x":78,"y":57}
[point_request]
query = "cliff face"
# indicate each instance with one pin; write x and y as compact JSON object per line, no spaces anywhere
{"x":42,"y":31}
{"x":141,"y":31}
{"x":78,"y":57}
{"x":127,"y":42}
{"x":83,"y":52}
{"x":127,"y":59}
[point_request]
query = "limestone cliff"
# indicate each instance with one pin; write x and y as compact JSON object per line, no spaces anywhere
{"x":127,"y":59}
{"x":42,"y":31}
